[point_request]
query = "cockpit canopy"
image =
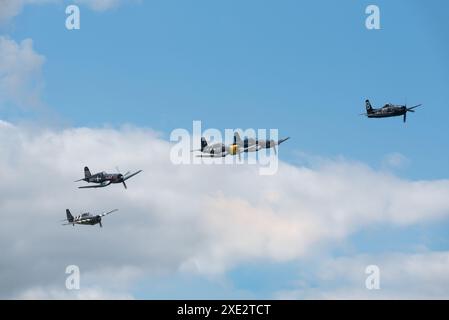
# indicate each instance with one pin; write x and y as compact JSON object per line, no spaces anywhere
{"x":85,"y":214}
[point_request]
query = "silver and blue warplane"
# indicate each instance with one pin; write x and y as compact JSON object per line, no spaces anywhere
{"x":85,"y":218}
{"x":254,"y":145}
{"x":218,"y":150}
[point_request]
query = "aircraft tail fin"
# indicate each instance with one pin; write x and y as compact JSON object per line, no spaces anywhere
{"x":69,"y":215}
{"x":369,"y":107}
{"x":237,"y":139}
{"x":203,"y":143}
{"x":87,"y":174}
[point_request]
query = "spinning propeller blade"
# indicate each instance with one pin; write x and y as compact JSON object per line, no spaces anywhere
{"x":414,"y":107}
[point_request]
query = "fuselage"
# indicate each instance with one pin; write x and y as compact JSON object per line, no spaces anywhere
{"x":217,"y":150}
{"x":221,"y":150}
{"x":87,"y":219}
{"x":387,"y":111}
{"x":105,"y":177}
{"x":239,"y":146}
{"x":252,"y":145}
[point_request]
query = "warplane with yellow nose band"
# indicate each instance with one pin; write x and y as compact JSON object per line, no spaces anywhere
{"x":218,"y":150}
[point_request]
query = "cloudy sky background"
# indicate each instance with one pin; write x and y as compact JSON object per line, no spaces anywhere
{"x":348,"y":193}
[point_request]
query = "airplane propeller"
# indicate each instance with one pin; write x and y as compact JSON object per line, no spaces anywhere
{"x":410,"y":110}
{"x":414,"y":107}
{"x":122,"y":177}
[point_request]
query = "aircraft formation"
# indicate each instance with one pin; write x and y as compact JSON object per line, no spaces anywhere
{"x":102,"y":179}
{"x":215,"y":150}
{"x":239,"y":146}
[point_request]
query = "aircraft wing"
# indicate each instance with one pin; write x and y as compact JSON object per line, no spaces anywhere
{"x":252,"y":148}
{"x":283,"y":140}
{"x":75,"y":222}
{"x":106,"y":213}
{"x":131,"y":175}
{"x":96,"y":186}
{"x":79,"y":180}
{"x":208,"y":155}
{"x":102,"y":185}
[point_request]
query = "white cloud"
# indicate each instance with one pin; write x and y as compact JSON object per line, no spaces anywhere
{"x":402,"y":276}
{"x":20,"y":73}
{"x":395,"y":161}
{"x":11,"y":8}
{"x":193,"y":219}
{"x":49,"y":293}
{"x":103,"y":283}
{"x":100,"y":5}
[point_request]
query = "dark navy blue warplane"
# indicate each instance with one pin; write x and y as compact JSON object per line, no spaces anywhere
{"x":388,"y":110}
{"x":104,"y":179}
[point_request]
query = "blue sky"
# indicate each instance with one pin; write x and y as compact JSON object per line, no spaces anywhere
{"x":303,"y":67}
